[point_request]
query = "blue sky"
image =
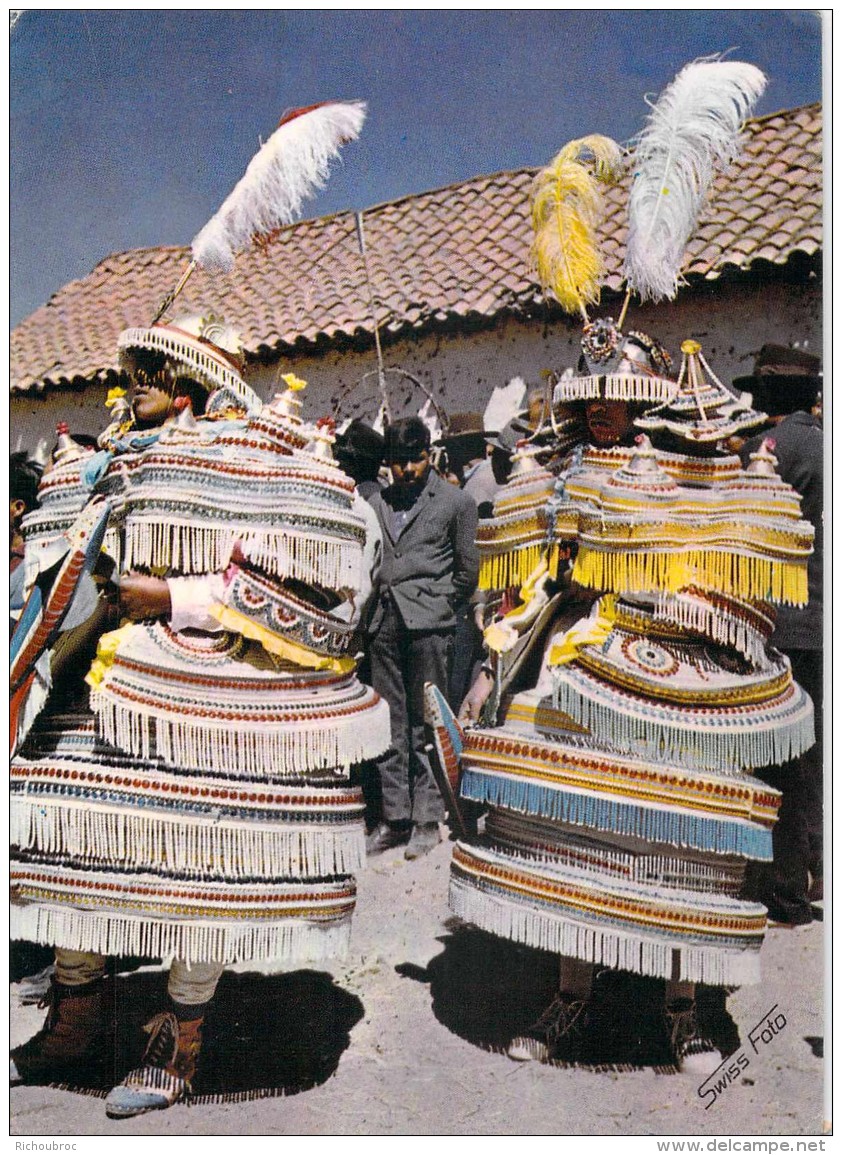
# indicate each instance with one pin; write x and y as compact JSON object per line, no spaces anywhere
{"x":129,"y":128}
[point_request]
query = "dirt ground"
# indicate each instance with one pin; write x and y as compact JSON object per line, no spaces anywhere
{"x":405,"y":1037}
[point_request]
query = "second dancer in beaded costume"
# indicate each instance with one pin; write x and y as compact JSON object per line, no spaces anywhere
{"x":621,"y":810}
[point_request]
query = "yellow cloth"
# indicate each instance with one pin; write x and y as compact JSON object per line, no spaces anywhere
{"x":590,"y":631}
{"x":233,"y":620}
{"x":501,"y":636}
{"x":105,"y":652}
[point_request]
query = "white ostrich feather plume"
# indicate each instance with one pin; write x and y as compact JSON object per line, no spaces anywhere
{"x":692,"y":132}
{"x":290,"y":167}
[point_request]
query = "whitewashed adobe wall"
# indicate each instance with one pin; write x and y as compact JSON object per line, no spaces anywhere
{"x":461,"y":368}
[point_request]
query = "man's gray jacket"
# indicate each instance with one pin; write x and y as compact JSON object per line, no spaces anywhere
{"x":432,"y":566}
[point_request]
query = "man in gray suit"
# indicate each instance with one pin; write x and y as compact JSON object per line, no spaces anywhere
{"x":429,"y":569}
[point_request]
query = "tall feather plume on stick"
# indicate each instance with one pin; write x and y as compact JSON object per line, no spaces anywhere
{"x":692,"y":132}
{"x":290,"y":167}
{"x":567,"y":207}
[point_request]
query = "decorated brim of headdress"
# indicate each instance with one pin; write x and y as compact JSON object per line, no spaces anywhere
{"x":742,"y":625}
{"x":204,"y":349}
{"x":220,"y":704}
{"x":615,"y":367}
{"x":647,"y":689}
{"x":512,"y":541}
{"x":722,"y":539}
{"x":703,"y":410}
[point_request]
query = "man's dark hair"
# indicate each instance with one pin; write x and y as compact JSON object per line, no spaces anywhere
{"x":406,"y":438}
{"x":24,"y":476}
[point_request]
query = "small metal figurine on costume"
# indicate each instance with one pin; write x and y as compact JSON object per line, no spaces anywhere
{"x":198,"y":806}
{"x":620,"y":804}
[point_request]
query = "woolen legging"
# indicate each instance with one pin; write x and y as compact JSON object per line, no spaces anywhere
{"x":188,"y":984}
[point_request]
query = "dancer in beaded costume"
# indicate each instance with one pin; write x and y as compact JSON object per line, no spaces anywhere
{"x":202,"y":810}
{"x":621,"y":811}
{"x":621,"y":807}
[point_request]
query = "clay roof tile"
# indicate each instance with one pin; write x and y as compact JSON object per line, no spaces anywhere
{"x":462,"y":250}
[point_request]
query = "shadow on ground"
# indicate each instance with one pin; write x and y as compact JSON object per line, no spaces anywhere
{"x":488,"y":990}
{"x":264,"y":1035}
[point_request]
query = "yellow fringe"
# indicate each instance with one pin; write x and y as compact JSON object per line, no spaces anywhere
{"x":500,"y":570}
{"x":283,"y":648}
{"x":552,"y":561}
{"x":763,"y":579}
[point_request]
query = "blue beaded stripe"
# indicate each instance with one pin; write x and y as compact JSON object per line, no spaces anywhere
{"x":674,"y":827}
{"x":30,"y":792}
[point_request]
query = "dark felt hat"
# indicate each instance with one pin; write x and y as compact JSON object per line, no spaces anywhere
{"x":784,"y":379}
{"x":361,"y":441}
{"x":781,"y":361}
{"x":464,"y":436}
{"x":463,"y":425}
{"x":507,"y":438}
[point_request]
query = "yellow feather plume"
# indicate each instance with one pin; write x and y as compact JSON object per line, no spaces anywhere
{"x":566,"y":210}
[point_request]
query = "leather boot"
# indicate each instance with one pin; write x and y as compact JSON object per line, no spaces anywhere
{"x":691,"y":1050}
{"x":71,"y":1041}
{"x":557,"y":1035}
{"x":165,"y":1075}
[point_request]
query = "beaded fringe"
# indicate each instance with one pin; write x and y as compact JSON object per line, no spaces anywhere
{"x":631,"y":571}
{"x":183,"y":842}
{"x":109,"y":933}
{"x":615,"y":387}
{"x":112,"y":545}
{"x":148,"y":1078}
{"x":500,"y":570}
{"x":288,"y":749}
{"x":599,"y":861}
{"x":322,"y":560}
{"x":720,"y":627}
{"x":195,"y":549}
{"x":718,"y":747}
{"x":672,"y":827}
{"x":603,"y":946}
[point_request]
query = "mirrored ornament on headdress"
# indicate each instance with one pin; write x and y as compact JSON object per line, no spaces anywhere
{"x":618,"y":368}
